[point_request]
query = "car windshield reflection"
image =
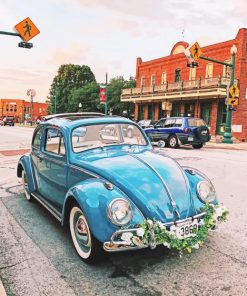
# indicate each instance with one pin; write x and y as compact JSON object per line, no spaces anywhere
{"x":102,"y":135}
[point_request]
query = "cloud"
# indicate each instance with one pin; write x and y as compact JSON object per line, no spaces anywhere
{"x":130,"y":26}
{"x":76,"y":53}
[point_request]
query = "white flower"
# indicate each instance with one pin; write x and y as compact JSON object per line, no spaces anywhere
{"x":161,"y":226}
{"x":126,"y":236}
{"x":218,"y":212}
{"x":166,"y":244}
{"x":140,"y":232}
{"x":150,"y":223}
{"x":196,"y":246}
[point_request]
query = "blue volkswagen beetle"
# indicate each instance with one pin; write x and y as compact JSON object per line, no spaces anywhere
{"x":101,"y":176}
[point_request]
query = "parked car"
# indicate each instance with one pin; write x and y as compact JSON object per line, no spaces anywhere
{"x":9,"y":120}
{"x":109,"y":187}
{"x":146,"y":123}
{"x":1,"y":122}
{"x":174,"y":131}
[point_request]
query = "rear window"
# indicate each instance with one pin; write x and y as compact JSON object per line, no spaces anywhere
{"x":196,"y":122}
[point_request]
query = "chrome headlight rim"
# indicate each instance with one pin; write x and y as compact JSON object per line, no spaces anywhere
{"x":198,"y":191}
{"x":110,"y":214}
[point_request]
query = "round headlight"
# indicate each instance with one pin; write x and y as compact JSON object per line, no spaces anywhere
{"x":120,"y":212}
{"x":206,"y":192}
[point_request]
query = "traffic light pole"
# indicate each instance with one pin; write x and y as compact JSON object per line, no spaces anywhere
{"x":9,"y":33}
{"x":106,"y":94}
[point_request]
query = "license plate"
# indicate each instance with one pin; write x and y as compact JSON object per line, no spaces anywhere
{"x":185,"y":230}
{"x":190,"y":139}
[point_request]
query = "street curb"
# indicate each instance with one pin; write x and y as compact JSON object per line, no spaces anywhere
{"x":2,"y":290}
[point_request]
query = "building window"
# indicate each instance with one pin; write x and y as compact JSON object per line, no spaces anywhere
{"x":227,"y":70}
{"x":163,"y":78}
{"x":177,"y":75}
{"x":192,"y":75}
{"x":15,"y":108}
{"x":143,"y":81}
{"x":7,"y":107}
{"x":209,"y":70}
{"x":152,"y":81}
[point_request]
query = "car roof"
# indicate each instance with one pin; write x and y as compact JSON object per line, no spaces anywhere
{"x":72,"y":120}
{"x":175,"y":117}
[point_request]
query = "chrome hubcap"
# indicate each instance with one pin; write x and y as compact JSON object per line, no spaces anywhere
{"x":82,"y":233}
{"x":173,"y":142}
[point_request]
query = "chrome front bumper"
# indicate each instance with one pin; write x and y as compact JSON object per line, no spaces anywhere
{"x":116,"y":244}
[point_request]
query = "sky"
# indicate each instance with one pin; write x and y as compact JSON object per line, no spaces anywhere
{"x":106,"y":35}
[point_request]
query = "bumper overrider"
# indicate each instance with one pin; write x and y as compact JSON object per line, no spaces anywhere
{"x":130,"y":239}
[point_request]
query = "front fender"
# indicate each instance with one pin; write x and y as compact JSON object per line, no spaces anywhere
{"x":25,"y":163}
{"x":195,"y":176}
{"x":94,"y":198}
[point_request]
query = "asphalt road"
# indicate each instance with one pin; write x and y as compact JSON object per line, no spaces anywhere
{"x":37,"y":256}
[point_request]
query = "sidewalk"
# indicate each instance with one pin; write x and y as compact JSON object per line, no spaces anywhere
{"x":2,"y":291}
{"x":235,"y":146}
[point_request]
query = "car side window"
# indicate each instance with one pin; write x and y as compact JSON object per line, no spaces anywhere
{"x":178,"y":122}
{"x":169,"y":122}
{"x":54,"y":141}
{"x":161,"y":123}
{"x":37,"y":138}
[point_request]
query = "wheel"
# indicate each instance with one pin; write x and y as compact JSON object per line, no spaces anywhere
{"x":25,"y":185}
{"x":197,"y":146}
{"x":173,"y":142}
{"x":87,"y":247}
{"x":202,"y":133}
{"x":161,"y":144}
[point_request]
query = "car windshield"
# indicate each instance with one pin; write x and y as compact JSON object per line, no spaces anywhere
{"x":101,"y":135}
{"x":196,"y":122}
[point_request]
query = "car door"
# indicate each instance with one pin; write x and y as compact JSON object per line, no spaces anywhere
{"x":53,"y":168}
{"x":168,"y":128}
{"x":156,"y":131}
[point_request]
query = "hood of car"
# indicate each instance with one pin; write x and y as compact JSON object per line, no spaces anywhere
{"x":155,"y":183}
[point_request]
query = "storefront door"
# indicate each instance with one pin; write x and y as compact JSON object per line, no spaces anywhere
{"x":205,"y":112}
{"x":221,"y":119}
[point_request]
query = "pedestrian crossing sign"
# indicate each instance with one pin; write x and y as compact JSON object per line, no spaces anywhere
{"x":195,"y":51}
{"x":27,"y":29}
{"x":233,"y":101}
{"x":234,"y":91}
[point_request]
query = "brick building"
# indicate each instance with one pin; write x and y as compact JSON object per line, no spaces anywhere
{"x":167,"y":87}
{"x":21,"y":109}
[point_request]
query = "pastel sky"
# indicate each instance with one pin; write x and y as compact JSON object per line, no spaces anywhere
{"x":106,"y":35}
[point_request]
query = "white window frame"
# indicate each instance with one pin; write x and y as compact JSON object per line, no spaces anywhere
{"x":152,"y":80}
{"x":163,"y":78}
{"x":192,"y":74}
{"x":209,"y":70}
{"x":143,"y":81}
{"x":227,"y":70}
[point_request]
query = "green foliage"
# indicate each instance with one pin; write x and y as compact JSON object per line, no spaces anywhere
{"x":69,"y":79}
{"x":156,"y":230}
{"x":114,"y":89}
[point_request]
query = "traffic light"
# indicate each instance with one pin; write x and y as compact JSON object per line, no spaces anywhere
{"x":192,"y":64}
{"x":231,"y":108}
{"x":25,"y":44}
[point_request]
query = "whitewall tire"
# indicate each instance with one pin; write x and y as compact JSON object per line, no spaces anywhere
{"x":25,"y":185}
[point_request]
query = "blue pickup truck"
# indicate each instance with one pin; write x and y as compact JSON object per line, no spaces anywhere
{"x":176,"y":131}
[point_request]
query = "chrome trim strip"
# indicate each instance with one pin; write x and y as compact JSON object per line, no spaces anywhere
{"x":49,"y":208}
{"x":60,"y":162}
{"x":172,"y":201}
{"x":84,"y":171}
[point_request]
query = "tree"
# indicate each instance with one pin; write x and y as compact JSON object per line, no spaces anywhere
{"x":88,"y":96}
{"x":68,"y":79}
{"x":114,"y":90}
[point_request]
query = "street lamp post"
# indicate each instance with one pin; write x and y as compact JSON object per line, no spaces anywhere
{"x":80,"y":106}
{"x":228,"y":134}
